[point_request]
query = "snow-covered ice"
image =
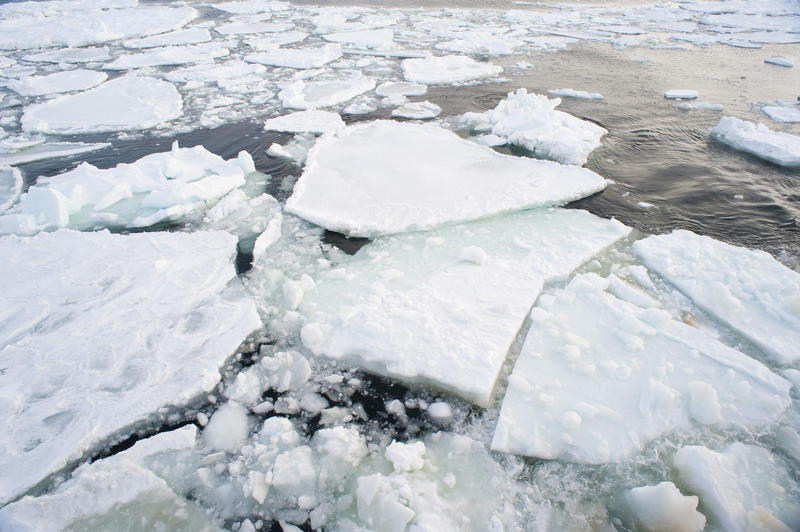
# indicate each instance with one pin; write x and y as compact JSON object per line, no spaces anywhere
{"x":379,"y":38}
{"x":680,"y":94}
{"x":780,"y":61}
{"x":169,"y":55}
{"x":759,"y":140}
{"x":316,"y":93}
{"x":400,"y":88}
{"x":401,"y":292}
{"x":388,"y":177}
{"x":70,"y":55}
{"x":173,"y":38}
{"x":311,"y":121}
{"x":161,"y":187}
{"x":90,"y":346}
{"x":66,"y":81}
{"x":122,"y":104}
{"x":447,"y":69}
{"x":301,"y":58}
{"x":40,"y":150}
{"x":782,"y":113}
{"x":663,"y":508}
{"x":531,"y":121}
{"x":572,"y":93}
{"x":417,"y":110}
{"x":10,"y":186}
{"x":745,"y":288}
{"x":599,"y":377}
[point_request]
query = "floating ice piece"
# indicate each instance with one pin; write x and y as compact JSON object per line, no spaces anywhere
{"x":10,"y":186}
{"x":700,"y":106}
{"x":447,"y":69}
{"x":742,"y":488}
{"x":324,"y":93}
{"x":215,"y":72}
{"x":312,"y":121}
{"x":570,"y":398}
{"x":380,"y":38}
{"x":482,"y":42}
{"x":663,"y":508}
{"x":418,"y":110}
{"x":269,"y":42}
{"x":45,"y":150}
{"x":169,"y":55}
{"x":411,"y":177}
{"x":780,"y":61}
{"x":122,"y":104}
{"x":680,"y":94}
{"x":244,"y":7}
{"x":157,"y":188}
{"x":745,"y":288}
{"x":571,"y":93}
{"x":173,"y":38}
{"x":531,"y":121}
{"x":70,"y":55}
{"x":400,"y":88}
{"x":757,"y":139}
{"x":67,"y":81}
{"x":80,"y":301}
{"x":782,"y":113}
{"x":6,"y":62}
{"x":359,"y":108}
{"x":300,"y":58}
{"x":246,"y":28}
{"x":363,"y":311}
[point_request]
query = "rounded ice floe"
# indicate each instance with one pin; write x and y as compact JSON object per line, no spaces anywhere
{"x":122,"y":104}
{"x":312,"y":121}
{"x":67,"y":81}
{"x":447,"y":69}
{"x":417,"y":110}
{"x":780,"y":61}
{"x":680,"y":94}
{"x":300,"y":58}
{"x":663,"y":508}
{"x":389,"y":177}
{"x":745,"y":288}
{"x":664,"y":375}
{"x":757,"y":139}
{"x":571,"y":93}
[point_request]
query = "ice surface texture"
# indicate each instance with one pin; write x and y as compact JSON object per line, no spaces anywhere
{"x":93,"y":342}
{"x":599,"y":377}
{"x":774,"y":146}
{"x":388,"y":177}
{"x":745,"y":288}
{"x":443,"y":307}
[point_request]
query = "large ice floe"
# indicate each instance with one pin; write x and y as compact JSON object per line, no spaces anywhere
{"x":389,"y":177}
{"x":532,"y":122}
{"x":443,"y":307}
{"x":599,"y":377}
{"x":161,"y":187}
{"x":102,"y":342}
{"x":122,"y":104}
{"x":746,"y":289}
{"x":774,"y":146}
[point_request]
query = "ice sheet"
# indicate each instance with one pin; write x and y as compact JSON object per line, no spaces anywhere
{"x":745,"y":288}
{"x":91,"y":346}
{"x":312,"y":121}
{"x":66,"y":81}
{"x":531,"y":121}
{"x":122,"y":104}
{"x":598,"y":378}
{"x":301,"y":58}
{"x":388,"y":177}
{"x":169,"y":55}
{"x":447,"y":69}
{"x":443,"y":307}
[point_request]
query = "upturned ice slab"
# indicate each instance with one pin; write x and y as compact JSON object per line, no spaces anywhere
{"x":599,"y":377}
{"x":388,"y":177}
{"x":443,"y":307}
{"x":93,"y":342}
{"x":759,"y":140}
{"x":744,"y":288}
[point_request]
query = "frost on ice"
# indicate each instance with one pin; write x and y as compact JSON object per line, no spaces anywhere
{"x":531,"y":122}
{"x":122,"y":104}
{"x":447,"y":69}
{"x":93,"y":342}
{"x":443,"y":307}
{"x":389,"y":177}
{"x":599,"y":377}
{"x":746,"y":289}
{"x":774,"y":146}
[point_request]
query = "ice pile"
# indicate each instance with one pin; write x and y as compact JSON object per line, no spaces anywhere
{"x":599,"y":377}
{"x":95,"y":349}
{"x":774,"y":146}
{"x":388,"y":177}
{"x":745,"y":288}
{"x":531,"y":121}
{"x":161,"y":187}
{"x":447,"y":69}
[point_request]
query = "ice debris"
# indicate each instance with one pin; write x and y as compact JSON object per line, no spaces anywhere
{"x":777,"y":147}
{"x":447,"y":69}
{"x":663,"y":508}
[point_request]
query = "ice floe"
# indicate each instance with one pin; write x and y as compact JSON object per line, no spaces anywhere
{"x":680,"y":94}
{"x":389,"y":177}
{"x":745,"y":288}
{"x":699,"y":106}
{"x":532,"y":122}
{"x":300,"y":58}
{"x":380,"y":38}
{"x":757,"y":139}
{"x":782,"y":113}
{"x":417,"y":110}
{"x":663,"y":508}
{"x":10,"y":186}
{"x":14,"y":153}
{"x":243,"y":7}
{"x":364,"y":311}
{"x":572,"y":93}
{"x":122,"y":104}
{"x":81,"y":302}
{"x":66,"y":81}
{"x":400,"y":88}
{"x":246,"y":28}
{"x":161,"y":187}
{"x":447,"y":69}
{"x":311,"y":121}
{"x":302,"y":94}
{"x":169,"y":55}
{"x":70,"y":55}
{"x":780,"y":61}
{"x":599,"y":377}
{"x":173,"y":38}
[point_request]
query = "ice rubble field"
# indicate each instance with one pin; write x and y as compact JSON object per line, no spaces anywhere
{"x":562,"y":371}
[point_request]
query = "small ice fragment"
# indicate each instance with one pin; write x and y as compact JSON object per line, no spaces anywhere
{"x":401,"y":88}
{"x":473,"y":254}
{"x":700,"y":106}
{"x":406,"y":456}
{"x":570,"y":93}
{"x":228,"y":427}
{"x":680,"y":94}
{"x":780,"y":61}
{"x":311,"y":121}
{"x":440,"y":412}
{"x":644,"y":205}
{"x":418,"y":110}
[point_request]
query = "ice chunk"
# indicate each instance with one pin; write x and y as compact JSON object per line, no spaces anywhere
{"x":418,"y":110}
{"x":531,"y":121}
{"x":160,"y":187}
{"x":70,"y":55}
{"x":780,"y":61}
{"x":80,"y":301}
{"x":774,"y":146}
{"x":745,"y":288}
{"x":67,"y":81}
{"x":312,"y":121}
{"x":389,"y":177}
{"x":571,"y":93}
{"x":663,"y":508}
{"x":324,"y":93}
{"x":380,"y":38}
{"x":215,"y":72}
{"x":122,"y":104}
{"x":560,"y":403}
{"x":680,"y":94}
{"x":400,"y":88}
{"x":782,"y":113}
{"x":228,"y":428}
{"x":700,"y":106}
{"x":242,"y":7}
{"x":301,"y":58}
{"x":169,"y":55}
{"x":10,"y":186}
{"x":45,"y":150}
{"x":186,"y":36}
{"x":447,"y":69}
{"x":415,"y":282}
{"x":275,"y":40}
{"x":741,"y":488}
